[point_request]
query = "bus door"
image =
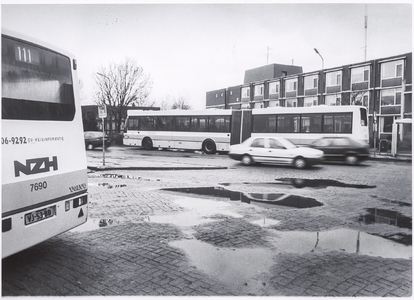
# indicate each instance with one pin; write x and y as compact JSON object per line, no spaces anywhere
{"x":241,"y":126}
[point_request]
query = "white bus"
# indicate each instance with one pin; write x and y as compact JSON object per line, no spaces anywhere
{"x":207,"y":130}
{"x":303,"y":125}
{"x":214,"y":130}
{"x":44,"y":176}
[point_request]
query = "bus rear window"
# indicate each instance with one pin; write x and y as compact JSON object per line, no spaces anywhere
{"x":364,"y":118}
{"x":36,"y":83}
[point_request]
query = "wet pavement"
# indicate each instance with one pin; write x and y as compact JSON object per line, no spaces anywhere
{"x":152,"y":234}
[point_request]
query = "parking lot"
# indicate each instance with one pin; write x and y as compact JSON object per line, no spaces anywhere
{"x":150,"y":234}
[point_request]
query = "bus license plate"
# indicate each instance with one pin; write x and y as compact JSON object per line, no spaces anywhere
{"x":39,"y":215}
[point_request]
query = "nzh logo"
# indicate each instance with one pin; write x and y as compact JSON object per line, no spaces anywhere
{"x":35,"y":165}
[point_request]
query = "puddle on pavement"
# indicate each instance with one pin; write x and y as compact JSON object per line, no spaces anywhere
{"x":197,"y":212}
{"x":231,"y":266}
{"x":265,"y":222}
{"x":117,"y":176}
{"x":244,"y":266}
{"x":301,"y":183}
{"x":384,"y":216}
{"x":345,"y":240}
{"x":110,"y":186}
{"x":260,"y":199}
{"x":400,"y":203}
{"x":92,"y":224}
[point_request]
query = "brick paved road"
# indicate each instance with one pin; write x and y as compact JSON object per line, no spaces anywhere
{"x":136,"y":255}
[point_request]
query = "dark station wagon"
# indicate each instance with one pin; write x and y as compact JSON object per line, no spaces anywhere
{"x":343,"y":149}
{"x":94,"y":139}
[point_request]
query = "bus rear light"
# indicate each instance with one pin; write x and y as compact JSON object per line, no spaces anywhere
{"x":6,"y":225}
{"x":80,"y":201}
{"x":67,"y":205}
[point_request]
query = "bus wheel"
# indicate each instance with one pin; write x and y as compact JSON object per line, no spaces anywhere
{"x":247,"y":160}
{"x":300,"y":163}
{"x":147,"y":144}
{"x":89,"y":147}
{"x":209,"y":147}
{"x":351,"y":160}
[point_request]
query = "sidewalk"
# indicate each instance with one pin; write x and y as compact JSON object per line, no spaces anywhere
{"x":96,"y":163}
{"x":387,"y":156}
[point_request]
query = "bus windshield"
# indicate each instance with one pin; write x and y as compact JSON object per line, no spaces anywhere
{"x":36,"y":83}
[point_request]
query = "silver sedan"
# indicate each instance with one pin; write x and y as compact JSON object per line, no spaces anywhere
{"x":275,"y":150}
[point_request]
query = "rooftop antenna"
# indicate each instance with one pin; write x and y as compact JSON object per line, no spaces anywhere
{"x":366,"y":28}
{"x":268,"y":48}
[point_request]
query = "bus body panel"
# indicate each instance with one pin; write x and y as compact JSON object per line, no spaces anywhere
{"x":44,"y":171}
{"x":25,"y":236}
{"x":178,"y":139}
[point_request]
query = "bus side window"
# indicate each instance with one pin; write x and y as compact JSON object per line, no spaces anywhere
{"x":328,"y":123}
{"x":203,"y":123}
{"x":194,"y":125}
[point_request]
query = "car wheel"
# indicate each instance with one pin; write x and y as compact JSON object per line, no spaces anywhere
{"x":247,"y":160}
{"x":209,"y":147}
{"x":89,"y":147}
{"x":147,"y":144}
{"x":351,"y":160}
{"x":300,"y":163}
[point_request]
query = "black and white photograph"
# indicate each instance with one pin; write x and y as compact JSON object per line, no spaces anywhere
{"x":215,"y":149}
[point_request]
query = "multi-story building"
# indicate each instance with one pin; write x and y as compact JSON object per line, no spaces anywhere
{"x":383,"y":85}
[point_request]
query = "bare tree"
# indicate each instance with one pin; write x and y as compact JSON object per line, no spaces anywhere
{"x":181,"y":103}
{"x":120,"y":86}
{"x":170,"y":102}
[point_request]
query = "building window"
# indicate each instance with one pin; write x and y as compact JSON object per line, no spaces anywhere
{"x":291,"y":103}
{"x":359,"y":98}
{"x":385,"y":124}
{"x":333,"y":100}
{"x":274,"y":103}
{"x":360,"y":74}
{"x":311,"y":82}
{"x":311,"y":101}
{"x":231,"y":92}
{"x":391,"y":69}
{"x":245,"y":92}
{"x":291,"y":85}
{"x":274,"y":88}
{"x":334,"y":78}
{"x":391,"y":97}
{"x":258,"y":90}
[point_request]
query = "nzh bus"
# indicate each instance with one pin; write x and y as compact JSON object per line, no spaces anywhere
{"x":214,"y":130}
{"x":44,"y":176}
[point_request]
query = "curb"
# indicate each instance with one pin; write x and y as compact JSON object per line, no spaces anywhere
{"x":105,"y":168}
{"x":407,"y":159}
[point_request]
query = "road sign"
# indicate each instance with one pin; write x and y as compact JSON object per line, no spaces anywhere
{"x":102,"y":111}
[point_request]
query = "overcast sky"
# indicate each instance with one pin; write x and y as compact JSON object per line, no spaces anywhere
{"x":189,"y":49}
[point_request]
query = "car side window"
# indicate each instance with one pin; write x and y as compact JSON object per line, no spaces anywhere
{"x":340,"y":142}
{"x":258,"y":143}
{"x":322,"y":143}
{"x":275,"y":144}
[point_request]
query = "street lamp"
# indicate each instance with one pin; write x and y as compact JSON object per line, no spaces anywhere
{"x":316,"y":50}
